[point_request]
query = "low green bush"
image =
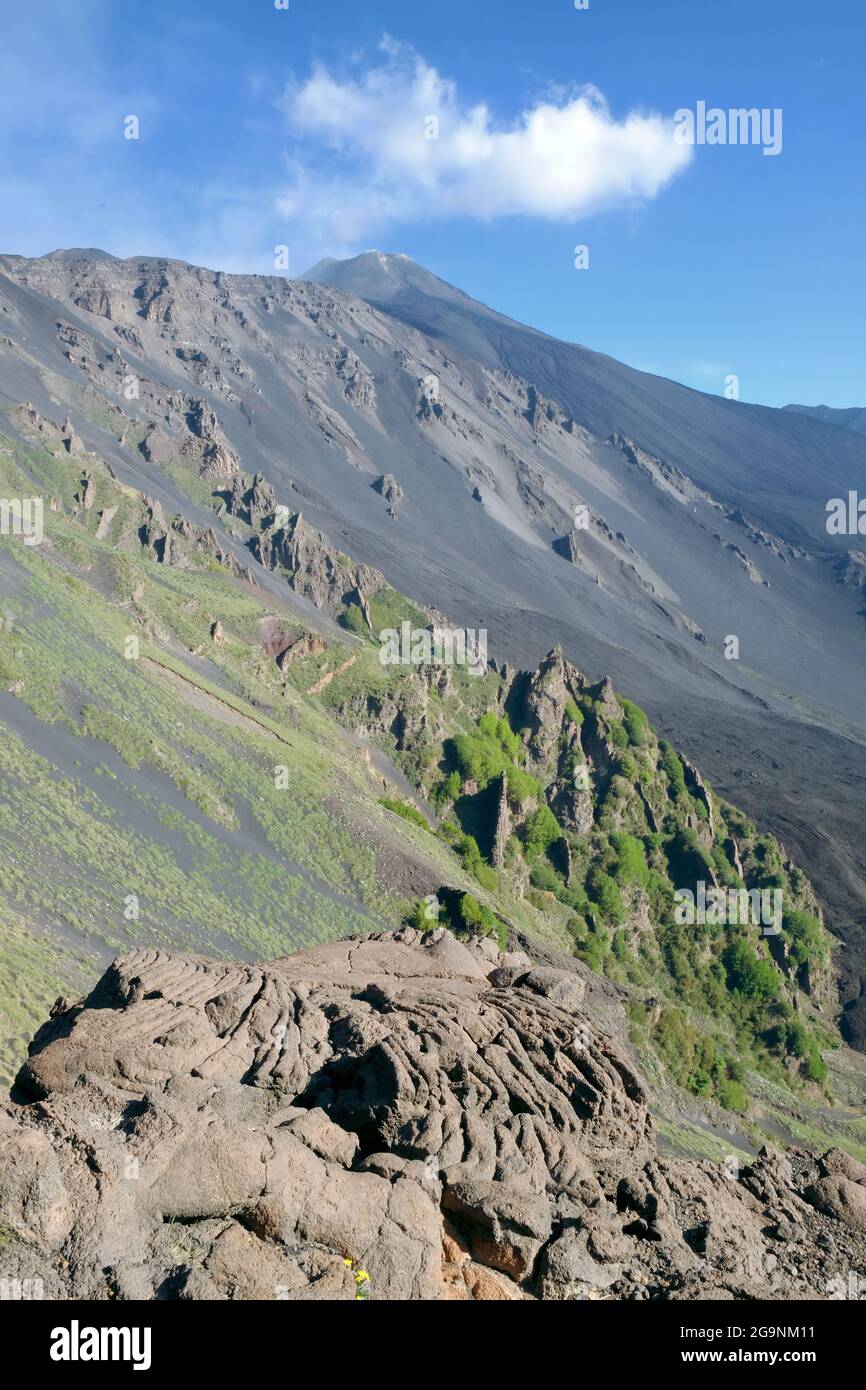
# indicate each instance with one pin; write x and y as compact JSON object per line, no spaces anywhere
{"x":542,"y":830}
{"x":605,"y":893}
{"x":636,"y":723}
{"x":748,"y":974}
{"x":404,"y":809}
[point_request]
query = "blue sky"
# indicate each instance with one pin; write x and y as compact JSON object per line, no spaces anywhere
{"x":261,"y":127}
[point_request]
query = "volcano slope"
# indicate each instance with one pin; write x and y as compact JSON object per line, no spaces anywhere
{"x":191,"y":734}
{"x":402,"y":1117}
{"x":195,"y":762}
{"x":455,"y":452}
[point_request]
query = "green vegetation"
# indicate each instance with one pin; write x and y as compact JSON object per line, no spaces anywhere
{"x":406,"y":810}
{"x":673,"y":770}
{"x":698,"y":1061}
{"x":491,"y":750}
{"x":542,"y":830}
{"x":605,"y":893}
{"x":573,"y":712}
{"x":805,"y":937}
{"x":159,"y":779}
{"x":748,"y":975}
{"x":466,"y":847}
{"x":630,"y":869}
{"x":636,"y":723}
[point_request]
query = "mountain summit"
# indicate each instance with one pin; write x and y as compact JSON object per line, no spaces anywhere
{"x":381,"y":278}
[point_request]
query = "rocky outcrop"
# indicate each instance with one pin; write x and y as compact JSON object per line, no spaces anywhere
{"x":195,"y":437}
{"x":206,"y":446}
{"x":783,"y":550}
{"x":306,"y":644}
{"x":744,"y":560}
{"x":388,"y":487}
{"x":554,"y":749}
{"x":850,"y":570}
{"x":106,"y":516}
{"x":446,"y":1118}
{"x":663,"y":475}
{"x":502,"y":832}
{"x":314,"y":568}
{"x":357,"y":380}
{"x":86,"y":495}
{"x":180,"y":543}
{"x":254,"y":502}
{"x":698,"y":788}
{"x":57,"y":438}
{"x":157,"y":446}
{"x":545,"y":698}
{"x":568,"y":546}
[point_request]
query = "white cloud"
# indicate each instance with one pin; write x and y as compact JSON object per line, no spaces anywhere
{"x":562,"y":158}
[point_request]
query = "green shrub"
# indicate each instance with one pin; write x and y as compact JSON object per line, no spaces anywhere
{"x":631,"y":866}
{"x":542,"y":830}
{"x":488,"y":752}
{"x":478,"y":759}
{"x":521,"y":785}
{"x":604,"y":892}
{"x":546,"y":878}
{"x":732,"y":1095}
{"x":449,"y":789}
{"x":618,"y":735}
{"x":450,"y":832}
{"x":688,"y":860}
{"x":619,"y":947}
{"x":354,"y":621}
{"x":748,"y":974}
{"x":805,"y":937}
{"x":574,"y":714}
{"x":498,"y":729}
{"x":473,"y":862}
{"x":725,"y":871}
{"x":575,"y":898}
{"x":816,"y":1067}
{"x":636,"y":723}
{"x":797,"y":1039}
{"x":486,"y":876}
{"x":477,"y":920}
{"x":700,"y":1082}
{"x":591,"y":943}
{"x":674,"y":1040}
{"x":404,"y":809}
{"x":626,"y":767}
{"x":475,"y":916}
{"x":674,"y":771}
{"x":420,"y":917}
